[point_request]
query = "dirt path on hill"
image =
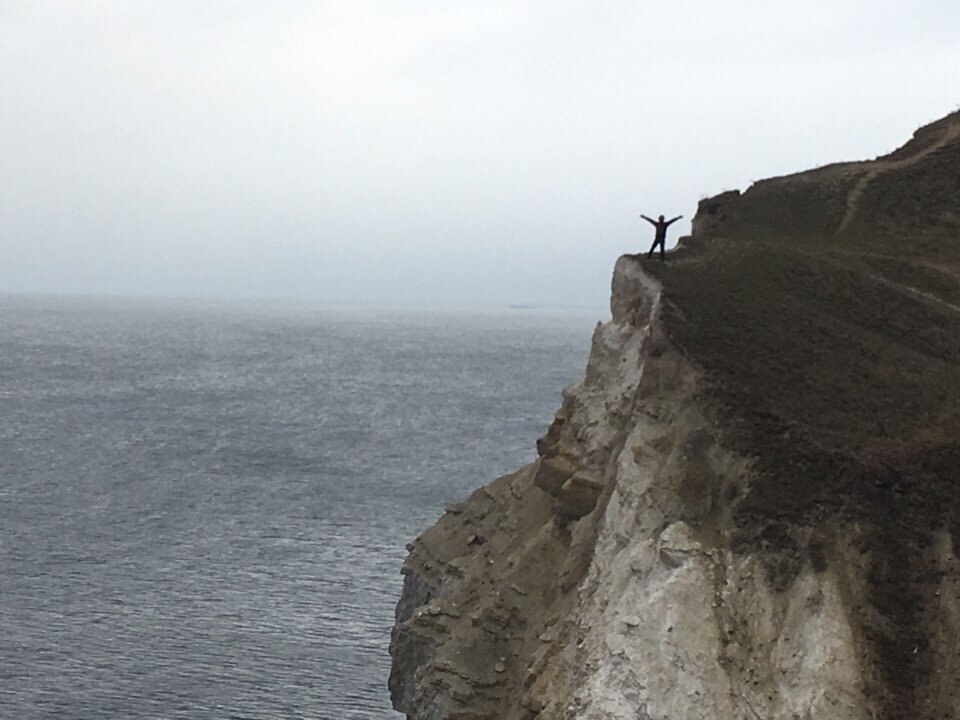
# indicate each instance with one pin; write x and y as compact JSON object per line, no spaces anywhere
{"x":879,"y":167}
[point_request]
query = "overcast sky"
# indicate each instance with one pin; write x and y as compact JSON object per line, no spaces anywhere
{"x":423,"y":152}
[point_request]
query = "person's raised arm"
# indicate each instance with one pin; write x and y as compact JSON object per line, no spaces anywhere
{"x":652,"y":222}
{"x":669,"y":222}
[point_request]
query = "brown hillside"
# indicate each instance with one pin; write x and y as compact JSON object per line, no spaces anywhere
{"x":824,"y":308}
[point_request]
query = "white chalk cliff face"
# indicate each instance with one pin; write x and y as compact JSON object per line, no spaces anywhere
{"x":640,"y":568}
{"x":667,"y":622}
{"x":671,"y":623}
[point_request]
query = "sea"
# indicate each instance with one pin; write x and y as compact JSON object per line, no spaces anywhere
{"x":204,"y":505}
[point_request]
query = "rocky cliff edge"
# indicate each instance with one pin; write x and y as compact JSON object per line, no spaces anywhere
{"x":749,"y":506}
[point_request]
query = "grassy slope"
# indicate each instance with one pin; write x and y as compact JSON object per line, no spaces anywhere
{"x":834,"y":357}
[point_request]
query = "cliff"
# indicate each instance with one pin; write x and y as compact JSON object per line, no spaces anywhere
{"x":749,"y":507}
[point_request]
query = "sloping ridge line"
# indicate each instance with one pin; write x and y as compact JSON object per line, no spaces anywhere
{"x":879,"y":167}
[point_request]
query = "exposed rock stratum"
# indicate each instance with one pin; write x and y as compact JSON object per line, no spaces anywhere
{"x":750,"y":506}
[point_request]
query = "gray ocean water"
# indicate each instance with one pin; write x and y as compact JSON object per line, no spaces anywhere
{"x":203,"y":507}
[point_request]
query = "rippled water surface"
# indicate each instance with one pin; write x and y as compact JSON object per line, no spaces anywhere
{"x":203,"y":508}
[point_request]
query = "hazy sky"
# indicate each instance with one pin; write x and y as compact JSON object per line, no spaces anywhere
{"x":426,"y":152}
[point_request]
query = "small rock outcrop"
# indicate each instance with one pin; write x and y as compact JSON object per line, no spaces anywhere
{"x":749,"y":507}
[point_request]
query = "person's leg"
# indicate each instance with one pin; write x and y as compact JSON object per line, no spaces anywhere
{"x":652,"y":249}
{"x":663,"y":250}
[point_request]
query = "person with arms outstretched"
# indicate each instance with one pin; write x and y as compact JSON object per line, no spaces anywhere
{"x":661,"y":237}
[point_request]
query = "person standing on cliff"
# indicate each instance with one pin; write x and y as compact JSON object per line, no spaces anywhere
{"x":661,"y":237}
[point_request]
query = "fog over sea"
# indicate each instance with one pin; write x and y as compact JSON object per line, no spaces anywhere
{"x":204,"y":506}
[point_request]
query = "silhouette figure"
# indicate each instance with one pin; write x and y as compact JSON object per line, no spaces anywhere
{"x":661,"y":237}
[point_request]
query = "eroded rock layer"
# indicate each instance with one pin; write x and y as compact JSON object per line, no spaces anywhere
{"x":749,"y":507}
